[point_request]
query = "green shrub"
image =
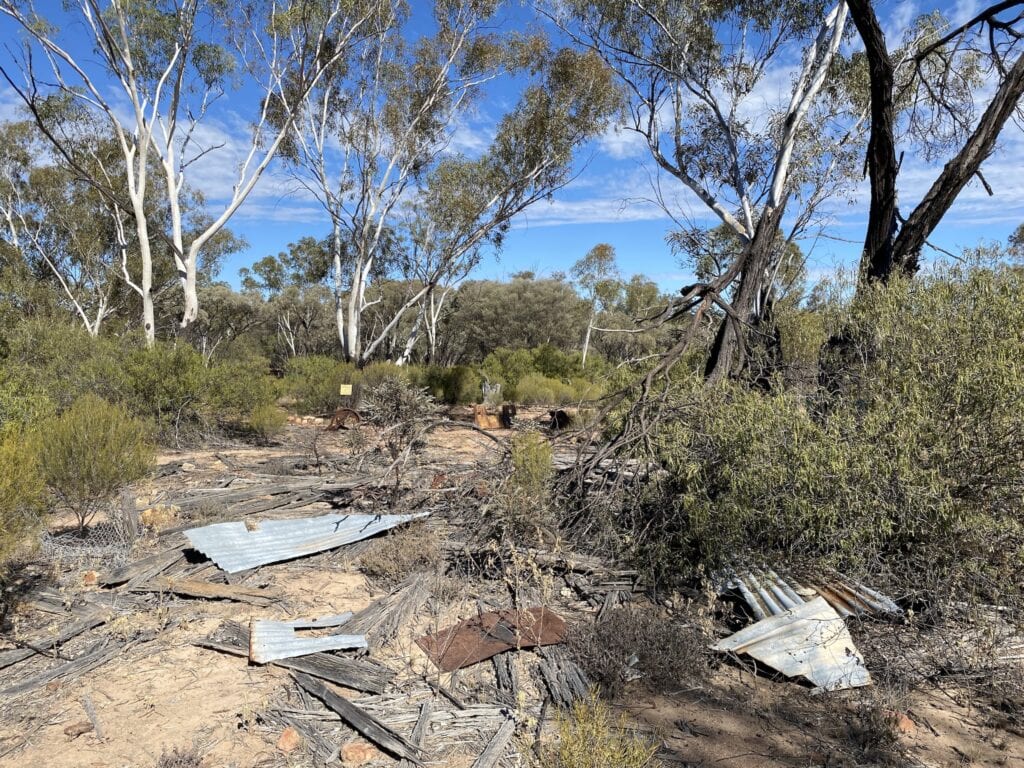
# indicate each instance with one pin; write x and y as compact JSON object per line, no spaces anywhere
{"x":21,"y":490}
{"x":532,"y":472}
{"x":166,"y":384}
{"x":90,"y":452}
{"x":314,"y":382}
{"x":911,"y":469}
{"x":235,"y":390}
{"x":267,"y":421}
{"x":590,"y":736}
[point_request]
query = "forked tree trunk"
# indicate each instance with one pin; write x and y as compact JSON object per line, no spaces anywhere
{"x":730,"y":351}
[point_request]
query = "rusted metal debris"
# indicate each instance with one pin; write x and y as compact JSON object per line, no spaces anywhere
{"x":273,"y":640}
{"x":237,"y":547}
{"x":809,"y":640}
{"x":488,"y":634}
{"x":768,"y":593}
{"x":343,"y":418}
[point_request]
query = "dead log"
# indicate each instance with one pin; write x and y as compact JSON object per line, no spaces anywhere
{"x":208,"y":591}
{"x":358,"y":719}
{"x":496,"y":747}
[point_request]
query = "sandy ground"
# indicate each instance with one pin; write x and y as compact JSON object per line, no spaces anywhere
{"x":170,"y":693}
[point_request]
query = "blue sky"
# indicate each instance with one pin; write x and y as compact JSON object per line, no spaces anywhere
{"x":607,"y":201}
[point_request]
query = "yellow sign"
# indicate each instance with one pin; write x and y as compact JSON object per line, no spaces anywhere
{"x":345,"y":389}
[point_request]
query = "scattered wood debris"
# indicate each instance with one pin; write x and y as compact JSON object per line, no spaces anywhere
{"x":369,"y":727}
{"x":207,"y":591}
{"x":357,"y":674}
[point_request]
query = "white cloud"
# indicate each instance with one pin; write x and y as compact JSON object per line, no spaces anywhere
{"x":621,"y":143}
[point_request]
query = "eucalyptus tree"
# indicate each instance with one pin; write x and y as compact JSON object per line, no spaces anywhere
{"x":154,"y":72}
{"x":925,"y":94}
{"x":598,"y":279}
{"x":379,"y":134}
{"x":699,"y":83}
{"x":60,"y":227}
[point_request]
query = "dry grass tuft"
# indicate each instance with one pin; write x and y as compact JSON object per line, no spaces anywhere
{"x":636,"y":643}
{"x":392,"y":558}
{"x":590,"y":736}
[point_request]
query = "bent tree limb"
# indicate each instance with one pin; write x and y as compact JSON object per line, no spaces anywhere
{"x":958,"y":171}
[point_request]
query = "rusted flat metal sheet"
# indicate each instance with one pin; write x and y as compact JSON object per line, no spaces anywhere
{"x":809,"y":641}
{"x":488,"y":634}
{"x":274,"y":640}
{"x":237,"y":547}
{"x":768,"y":593}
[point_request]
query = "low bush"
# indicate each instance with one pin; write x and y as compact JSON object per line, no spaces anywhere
{"x":394,"y":557}
{"x":267,"y":421}
{"x":314,"y":382}
{"x":21,"y":491}
{"x":590,"y":736}
{"x":522,"y":511}
{"x":459,"y":385}
{"x":636,"y":643}
{"x":90,"y":452}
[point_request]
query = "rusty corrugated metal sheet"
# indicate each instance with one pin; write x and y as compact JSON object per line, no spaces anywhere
{"x":768,"y":593}
{"x":234,"y":547}
{"x":272,"y":640}
{"x":488,"y":634}
{"x":809,"y":641}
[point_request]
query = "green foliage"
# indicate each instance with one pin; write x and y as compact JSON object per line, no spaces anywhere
{"x":523,"y":510}
{"x":90,"y":452}
{"x":314,"y":381}
{"x":21,"y":490}
{"x":912,"y":465}
{"x":545,"y":375}
{"x":590,"y":736}
{"x":458,"y":385}
{"x":537,"y":389}
{"x":267,"y":421}
{"x":531,"y":465}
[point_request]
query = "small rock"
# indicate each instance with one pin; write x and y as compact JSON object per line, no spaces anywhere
{"x":358,"y":753}
{"x":289,"y":741}
{"x":89,"y":578}
{"x":75,"y":730}
{"x":187,"y":466}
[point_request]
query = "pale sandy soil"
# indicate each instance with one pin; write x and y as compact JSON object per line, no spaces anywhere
{"x":169,"y":693}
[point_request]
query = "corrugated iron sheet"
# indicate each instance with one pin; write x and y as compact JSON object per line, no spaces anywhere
{"x":809,"y":641}
{"x":770,"y":594}
{"x":273,"y":640}
{"x":233,"y":547}
{"x":488,"y":634}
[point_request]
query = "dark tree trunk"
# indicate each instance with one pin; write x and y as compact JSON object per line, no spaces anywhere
{"x":882,"y":166}
{"x":730,"y":351}
{"x":887,"y":251}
